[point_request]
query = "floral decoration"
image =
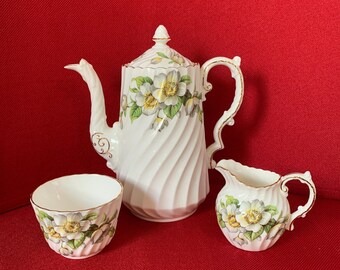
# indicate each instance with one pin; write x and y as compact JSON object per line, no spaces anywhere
{"x":172,"y":58}
{"x":163,"y":97}
{"x":71,"y":231}
{"x":249,"y":220}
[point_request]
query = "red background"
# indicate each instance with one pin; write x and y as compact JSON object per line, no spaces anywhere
{"x":289,"y":120}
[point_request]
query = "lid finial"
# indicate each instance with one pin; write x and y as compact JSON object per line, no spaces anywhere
{"x":161,"y":35}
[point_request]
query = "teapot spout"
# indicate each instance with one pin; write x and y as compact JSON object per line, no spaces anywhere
{"x":105,"y":140}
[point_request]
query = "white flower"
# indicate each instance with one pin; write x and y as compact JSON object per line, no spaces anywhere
{"x":191,"y":105}
{"x":49,"y":230}
{"x":146,"y":100}
{"x":65,"y":250}
{"x":251,"y":215}
{"x":71,"y":226}
{"x":239,"y":239}
{"x":168,"y":88}
{"x":229,"y":218}
{"x":159,"y":123}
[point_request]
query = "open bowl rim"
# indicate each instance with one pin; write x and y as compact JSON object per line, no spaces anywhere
{"x":78,"y":210}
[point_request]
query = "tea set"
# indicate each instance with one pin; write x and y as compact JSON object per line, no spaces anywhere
{"x":157,"y":150}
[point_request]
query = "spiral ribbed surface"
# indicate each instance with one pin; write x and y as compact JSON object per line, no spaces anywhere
{"x":243,"y":183}
{"x":97,"y":238}
{"x":164,"y":172}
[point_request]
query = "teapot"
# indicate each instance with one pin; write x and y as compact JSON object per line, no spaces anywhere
{"x":252,"y":208}
{"x":157,"y":148}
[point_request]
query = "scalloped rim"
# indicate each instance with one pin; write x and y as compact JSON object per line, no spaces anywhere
{"x":149,"y":67}
{"x":238,"y":164}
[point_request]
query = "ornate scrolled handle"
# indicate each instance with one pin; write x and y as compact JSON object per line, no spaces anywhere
{"x":304,"y":178}
{"x":228,"y":116}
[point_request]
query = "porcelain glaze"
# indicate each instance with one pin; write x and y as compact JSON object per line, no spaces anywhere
{"x":252,"y":208}
{"x":78,"y":214}
{"x":158,"y":146}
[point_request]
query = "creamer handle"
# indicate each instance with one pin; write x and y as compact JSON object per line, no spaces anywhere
{"x":228,"y":116}
{"x":304,"y":178}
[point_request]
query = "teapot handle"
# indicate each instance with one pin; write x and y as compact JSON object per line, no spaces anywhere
{"x":228,"y":116}
{"x":304,"y":178}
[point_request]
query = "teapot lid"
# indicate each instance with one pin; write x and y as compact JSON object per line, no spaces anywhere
{"x":160,"y":55}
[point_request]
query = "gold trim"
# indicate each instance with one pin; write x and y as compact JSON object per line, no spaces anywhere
{"x":102,"y":143}
{"x":284,"y":188}
{"x":82,"y":210}
{"x":267,"y":171}
{"x":193,"y":65}
{"x":208,"y":87}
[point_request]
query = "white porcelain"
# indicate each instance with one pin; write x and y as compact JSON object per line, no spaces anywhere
{"x":157,"y":148}
{"x":78,"y":214}
{"x":252,"y":208}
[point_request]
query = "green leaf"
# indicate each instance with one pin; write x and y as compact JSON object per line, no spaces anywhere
{"x":186,"y":79}
{"x":220,"y":220}
{"x":267,"y":228}
{"x":134,"y":90}
{"x":139,"y":81}
{"x":42,"y":215}
{"x":90,"y":216}
{"x":257,"y":234}
{"x":230,"y":200}
{"x":252,"y":235}
{"x":247,"y":234}
{"x":162,"y":55}
{"x":186,"y":97}
{"x":91,"y":230}
{"x":70,"y":243}
{"x":222,"y":204}
{"x":199,"y":96}
{"x":135,"y":111}
{"x":272,"y":222}
{"x":148,"y":80}
{"x":171,"y":110}
{"x":222,"y":224}
{"x":272,"y":209}
{"x":77,"y":242}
